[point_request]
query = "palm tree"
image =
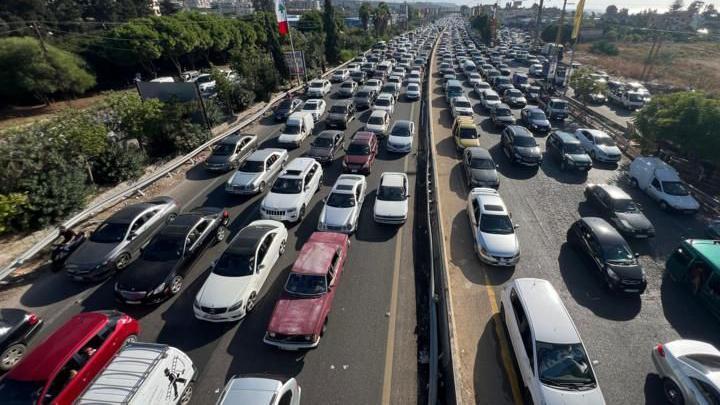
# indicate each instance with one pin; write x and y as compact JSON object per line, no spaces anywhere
{"x":381,"y":18}
{"x":365,"y":12}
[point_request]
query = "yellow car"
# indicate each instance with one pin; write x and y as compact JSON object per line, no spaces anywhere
{"x":465,"y":133}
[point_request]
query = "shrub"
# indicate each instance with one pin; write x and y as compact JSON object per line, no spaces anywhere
{"x":605,"y":48}
{"x":118,"y":164}
{"x":346,"y":55}
{"x":10,"y":205}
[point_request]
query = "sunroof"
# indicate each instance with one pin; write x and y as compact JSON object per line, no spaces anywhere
{"x":344,"y":187}
{"x":492,"y":207}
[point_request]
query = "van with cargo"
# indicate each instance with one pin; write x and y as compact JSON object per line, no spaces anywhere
{"x":299,"y":126}
{"x":453,"y":89}
{"x":662,"y":183}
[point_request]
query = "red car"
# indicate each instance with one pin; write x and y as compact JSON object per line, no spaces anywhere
{"x":60,"y":368}
{"x":300,"y":315}
{"x":360,"y":154}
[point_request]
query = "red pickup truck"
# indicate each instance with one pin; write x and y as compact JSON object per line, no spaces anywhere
{"x":300,"y":315}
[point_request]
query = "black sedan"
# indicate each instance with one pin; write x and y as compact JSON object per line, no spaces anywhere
{"x":17,"y":327}
{"x":325,"y":145}
{"x":286,"y":107}
{"x":619,"y":208}
{"x":612,"y":257}
{"x":158,"y":273}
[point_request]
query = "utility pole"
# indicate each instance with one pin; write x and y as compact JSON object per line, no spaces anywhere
{"x":538,"y":23}
{"x":558,"y":36}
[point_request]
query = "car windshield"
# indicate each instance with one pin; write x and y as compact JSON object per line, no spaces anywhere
{"x":292,"y":129}
{"x":341,"y":200}
{"x":626,"y":206}
{"x":482,"y":163}
{"x":675,"y":188}
{"x":252,"y":166}
{"x":223,"y":150}
{"x":525,"y":141}
{"x":358,"y":149}
{"x":564,"y":365}
{"x":498,"y":224}
{"x":538,"y":116}
{"x":492,"y":97}
{"x":573,"y":149}
{"x":304,"y":285}
{"x":285,"y":105}
{"x":382,"y":102}
{"x":204,"y":79}
{"x":234,"y":265}
{"x":163,"y":249}
{"x":285,"y":185}
{"x":362,"y":94}
{"x":462,"y":104}
{"x":376,"y":120}
{"x":605,"y":141}
{"x":413,"y":88}
{"x":346,"y":85}
{"x":468,"y":133}
{"x":110,"y":232}
{"x":388,"y":88}
{"x":322,"y":142}
{"x":503,"y":112}
{"x":391,"y":193}
{"x":316,"y":85}
{"x":400,"y":130}
{"x":558,"y":105}
{"x":20,"y":392}
{"x":311,"y":106}
{"x":618,"y":253}
{"x":514,"y":93}
{"x":338,"y":109}
{"x":636,"y":97}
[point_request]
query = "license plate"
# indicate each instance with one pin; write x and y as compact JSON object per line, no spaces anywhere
{"x":641,"y":236}
{"x":78,"y":278}
{"x":353,"y":170}
{"x":132,"y":302}
{"x":634,"y":290}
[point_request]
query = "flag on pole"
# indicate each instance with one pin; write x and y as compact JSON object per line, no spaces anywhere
{"x":281,"y":15}
{"x":578,"y":18}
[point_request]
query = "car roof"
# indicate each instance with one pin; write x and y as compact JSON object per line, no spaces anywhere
{"x":181,"y":224}
{"x":615,"y":192}
{"x":478,"y":152}
{"x":549,"y":318}
{"x":262,"y":154}
{"x":328,"y":133}
{"x":385,"y":95}
{"x":520,"y":131}
{"x":567,"y":137}
{"x":379,"y":112}
{"x":362,"y":137}
{"x":464,"y":121}
{"x":534,"y":110}
{"x":130,"y":212}
{"x":316,"y":254}
{"x":41,"y":363}
{"x":603,"y":231}
{"x":595,"y":132}
{"x":234,"y":138}
{"x":392,"y":179}
{"x":299,"y":164}
{"x":402,"y":123}
{"x":461,"y":98}
{"x":489,"y":201}
{"x":313,"y":101}
{"x":247,"y":240}
{"x":346,"y":182}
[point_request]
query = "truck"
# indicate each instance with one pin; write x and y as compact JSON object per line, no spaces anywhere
{"x":554,"y":108}
{"x":560,"y":76}
{"x":628,"y":99}
{"x":299,"y":126}
{"x":260,"y":391}
{"x":662,"y":183}
{"x":551,"y":48}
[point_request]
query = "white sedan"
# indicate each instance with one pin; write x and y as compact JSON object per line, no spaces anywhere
{"x":493,"y":231}
{"x":461,"y":106}
{"x":688,"y":369}
{"x":237,"y":277}
{"x":384,"y":102}
{"x":341,"y":75}
{"x":318,"y":88}
{"x":414,"y":77}
{"x":599,"y":145}
{"x":391,"y":203}
{"x":400,"y":137}
{"x":378,"y":122}
{"x":316,"y":107}
{"x":343,"y":204}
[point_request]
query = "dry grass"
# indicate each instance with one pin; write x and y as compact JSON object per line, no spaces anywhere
{"x":684,"y":65}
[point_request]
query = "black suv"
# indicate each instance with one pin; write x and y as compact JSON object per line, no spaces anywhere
{"x":611,"y":256}
{"x":519,"y":146}
{"x":564,"y":148}
{"x":620,"y":209}
{"x":341,"y":114}
{"x":502,"y":116}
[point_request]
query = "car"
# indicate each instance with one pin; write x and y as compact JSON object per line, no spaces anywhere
{"x":391,"y":88}
{"x":17,"y":327}
{"x":567,"y":151}
{"x":325,"y":145}
{"x":610,"y":255}
{"x":340,"y":75}
{"x":318,"y":88}
{"x":396,"y":80}
{"x":479,"y":168}
{"x":535,"y":120}
{"x":348,"y":88}
{"x":514,"y":98}
{"x":118,"y":240}
{"x":399,"y":72}
{"x":413,"y":92}
{"x":447,"y":68}
{"x":384,"y":102}
{"x":205,"y":83}
{"x":520,"y":147}
{"x":461,"y":107}
{"x":358,"y":76}
{"x":378,"y":122}
{"x":340,"y":114}
{"x":257,"y":172}
{"x":159,"y":271}
{"x":619,"y":208}
{"x":391,"y":201}
{"x":292,"y":191}
{"x":364,"y":98}
{"x":474,"y":78}
{"x":230,"y":152}
{"x":374,"y":84}
{"x":662,"y":183}
{"x":687,"y":369}
{"x":501,"y":115}
{"x":286,"y":107}
{"x":231,"y":290}
{"x":59,"y":369}
{"x":534,"y":94}
{"x":400,"y":137}
{"x":479,"y":87}
{"x":414,"y":77}
{"x":260,"y":391}
{"x":316,"y":107}
{"x":360,"y":153}
{"x":343,"y":205}
{"x":488,"y":99}
{"x":535,"y":70}
{"x":465,"y":133}
{"x":599,"y":145}
{"x":494,"y":238}
{"x":545,"y":340}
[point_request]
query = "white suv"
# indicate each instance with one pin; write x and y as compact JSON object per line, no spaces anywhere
{"x":391,"y":203}
{"x":552,"y":359}
{"x":343,"y":204}
{"x":384,"y":102}
{"x":494,"y":236}
{"x":291,"y":193}
{"x":318,"y":88}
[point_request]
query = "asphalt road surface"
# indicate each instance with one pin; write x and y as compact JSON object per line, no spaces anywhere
{"x":369,"y":353}
{"x":618,"y":331}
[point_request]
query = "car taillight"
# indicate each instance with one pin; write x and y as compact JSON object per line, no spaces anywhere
{"x":225,"y":214}
{"x":660,"y":349}
{"x":33,"y":319}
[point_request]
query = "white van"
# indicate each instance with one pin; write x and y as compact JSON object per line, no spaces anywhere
{"x":260,"y":391}
{"x":469,"y":66}
{"x":141,"y":374}
{"x":298,"y":126}
{"x":662,"y":183}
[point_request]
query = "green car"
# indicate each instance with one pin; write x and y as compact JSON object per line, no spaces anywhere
{"x":696,"y":264}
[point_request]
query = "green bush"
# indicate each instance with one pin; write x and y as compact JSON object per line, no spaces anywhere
{"x":346,"y":55}
{"x":118,"y":164}
{"x":10,"y":205}
{"x":604,"y":47}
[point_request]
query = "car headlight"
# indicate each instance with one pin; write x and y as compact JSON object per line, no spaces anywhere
{"x":612,"y":274}
{"x":309,"y":338}
{"x":483,"y":250}
{"x":196,"y":304}
{"x":272,"y":334}
{"x":291,"y":210}
{"x":625,"y":224}
{"x":236,"y":306}
{"x":159,"y":289}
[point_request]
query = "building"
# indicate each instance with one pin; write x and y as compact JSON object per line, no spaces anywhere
{"x":302,"y":6}
{"x":234,"y":7}
{"x":154,"y":6}
{"x":192,"y":4}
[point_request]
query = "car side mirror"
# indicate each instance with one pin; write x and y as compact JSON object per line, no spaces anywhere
{"x":132,"y":235}
{"x":516,"y":226}
{"x":637,"y":255}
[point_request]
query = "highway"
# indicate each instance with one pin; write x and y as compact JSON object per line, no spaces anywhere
{"x":619,"y":332}
{"x":369,"y":354}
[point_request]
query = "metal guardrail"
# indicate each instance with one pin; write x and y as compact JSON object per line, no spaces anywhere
{"x":134,"y":188}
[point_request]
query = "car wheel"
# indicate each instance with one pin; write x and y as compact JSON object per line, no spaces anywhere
{"x":634,"y":182}
{"x":11,"y":356}
{"x":592,"y":155}
{"x":220,"y":234}
{"x":324,"y":328}
{"x":176,"y":284}
{"x":186,"y":395}
{"x":250,"y":305}
{"x":262,"y":186}
{"x":281,"y":249}
{"x":130,"y":339}
{"x":302,"y":213}
{"x":672,"y":392}
{"x":122,"y":261}
{"x":663,"y":205}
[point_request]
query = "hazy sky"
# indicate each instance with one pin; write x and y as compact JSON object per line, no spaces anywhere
{"x":591,"y":5}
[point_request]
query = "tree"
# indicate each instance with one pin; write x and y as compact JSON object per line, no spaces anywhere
{"x":28,"y":73}
{"x":176,"y":38}
{"x":676,"y":5}
{"x":118,"y":164}
{"x":311,"y":21}
{"x":140,"y":44}
{"x":364,"y":13}
{"x":381,"y":18}
{"x":481,"y":24}
{"x":131,"y":117}
{"x":169,"y":7}
{"x":549,"y":34}
{"x":604,"y":47}
{"x":611,"y":10}
{"x":695,"y":7}
{"x":332,"y":44}
{"x":464,"y":10}
{"x":584,"y":85}
{"x":687,"y":119}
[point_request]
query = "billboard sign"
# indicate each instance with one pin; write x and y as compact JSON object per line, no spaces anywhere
{"x":295,"y":62}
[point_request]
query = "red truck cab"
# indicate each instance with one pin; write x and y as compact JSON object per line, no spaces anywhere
{"x":360,"y":153}
{"x":61,"y":367}
{"x":300,"y":315}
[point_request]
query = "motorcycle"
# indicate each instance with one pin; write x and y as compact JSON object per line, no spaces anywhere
{"x":62,"y":251}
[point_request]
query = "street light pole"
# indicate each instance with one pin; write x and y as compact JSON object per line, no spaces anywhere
{"x":538,"y":23}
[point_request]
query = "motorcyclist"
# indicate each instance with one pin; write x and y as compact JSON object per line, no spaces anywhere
{"x":67,"y":235}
